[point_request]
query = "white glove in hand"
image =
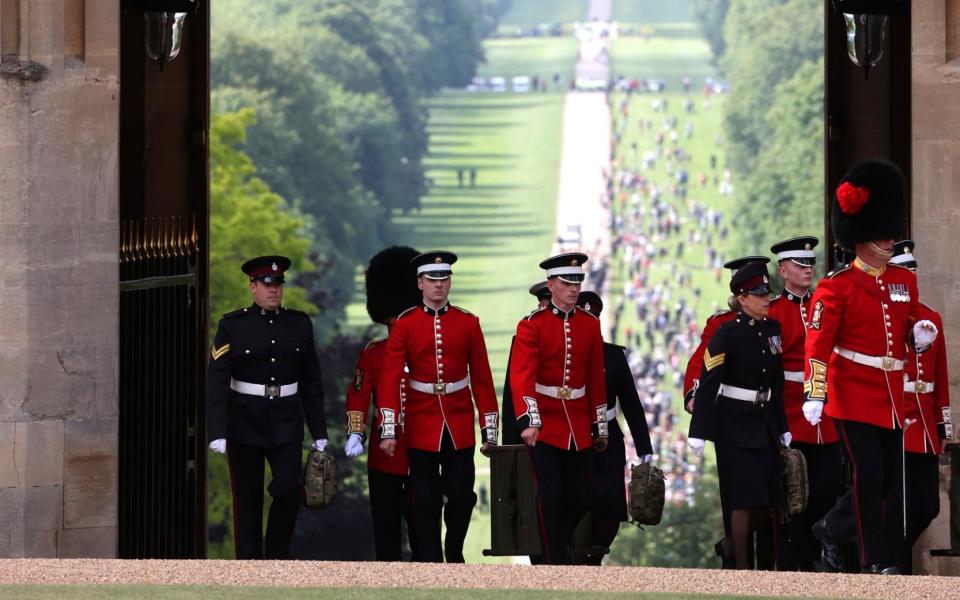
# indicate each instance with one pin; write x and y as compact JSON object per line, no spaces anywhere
{"x":320,"y":445}
{"x":786,"y":438}
{"x":696,"y":444}
{"x":646,"y":458}
{"x":219,"y":446}
{"x":812,"y":411}
{"x":354,"y":447}
{"x":924,"y":334}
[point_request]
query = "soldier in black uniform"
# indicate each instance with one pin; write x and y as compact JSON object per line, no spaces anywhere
{"x":262,"y":380}
{"x":739,"y":406}
{"x":609,"y":504}
{"x":510,"y":434}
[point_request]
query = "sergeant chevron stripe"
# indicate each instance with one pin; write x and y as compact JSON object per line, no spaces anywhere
{"x":710,"y":362}
{"x":216,"y":353}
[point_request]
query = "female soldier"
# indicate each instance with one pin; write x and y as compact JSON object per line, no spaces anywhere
{"x":739,"y":406}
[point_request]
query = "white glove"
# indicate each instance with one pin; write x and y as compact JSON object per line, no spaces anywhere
{"x":812,"y":411}
{"x":219,"y":446}
{"x":646,"y":458}
{"x":786,"y":438}
{"x":354,"y":447}
{"x":696,"y":444}
{"x":320,"y":445}
{"x":924,"y":333}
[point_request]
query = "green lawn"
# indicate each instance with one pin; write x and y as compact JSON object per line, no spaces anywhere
{"x":155,"y":592}
{"x":530,"y":56}
{"x":649,"y":12}
{"x":669,"y":58}
{"x":525,"y":13}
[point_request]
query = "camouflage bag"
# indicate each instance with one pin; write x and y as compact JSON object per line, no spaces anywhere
{"x":647,"y":493}
{"x":319,"y":479}
{"x":794,"y":486}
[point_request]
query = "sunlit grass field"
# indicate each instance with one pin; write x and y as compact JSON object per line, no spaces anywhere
{"x":526,"y":13}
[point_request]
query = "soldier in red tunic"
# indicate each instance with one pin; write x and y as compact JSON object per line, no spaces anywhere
{"x":510,"y":434}
{"x":391,"y":289}
{"x":927,"y":405}
{"x":560,"y":399}
{"x":444,"y":349}
{"x":818,"y":443}
{"x":861,"y":320}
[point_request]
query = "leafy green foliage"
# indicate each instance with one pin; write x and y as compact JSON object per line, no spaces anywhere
{"x":710,"y":14}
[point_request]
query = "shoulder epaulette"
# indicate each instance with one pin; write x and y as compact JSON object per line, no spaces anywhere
{"x":833,"y":274}
{"x":294,"y":311}
{"x":899,"y":267}
{"x":719,"y":313}
{"x":532,"y":313}
{"x":372,"y":343}
{"x":236,"y":313}
{"x":583,"y":310}
{"x":400,"y":316}
{"x":777,"y":297}
{"x":463,"y":310}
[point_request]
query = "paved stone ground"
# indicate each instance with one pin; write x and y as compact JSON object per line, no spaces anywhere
{"x":360,"y":574}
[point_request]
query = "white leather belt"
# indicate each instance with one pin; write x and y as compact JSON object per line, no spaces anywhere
{"x":884,"y":363}
{"x":441,"y":387}
{"x":739,"y":393}
{"x":561,"y":393}
{"x":794,"y":376}
{"x":918,"y":387}
{"x":267,"y":391}
{"x":612,"y":414}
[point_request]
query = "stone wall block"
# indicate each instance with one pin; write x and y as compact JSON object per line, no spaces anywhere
{"x":9,"y":475}
{"x":43,"y":508}
{"x":39,"y":452}
{"x":90,"y":474}
{"x":11,"y":513}
{"x":92,"y":542}
{"x":40,"y":544}
{"x":13,"y":392}
{"x":62,"y":384}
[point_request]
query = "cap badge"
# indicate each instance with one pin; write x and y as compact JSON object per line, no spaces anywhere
{"x":575,"y":263}
{"x":807,"y":246}
{"x":438,"y":260}
{"x":765,"y":280}
{"x":907,"y":250}
{"x":586,"y":306}
{"x":274,"y":266}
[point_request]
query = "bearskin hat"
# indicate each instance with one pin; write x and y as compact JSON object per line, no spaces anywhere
{"x":391,"y":283}
{"x":869,"y":204}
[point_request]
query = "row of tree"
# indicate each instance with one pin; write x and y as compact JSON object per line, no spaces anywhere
{"x":772,"y":53}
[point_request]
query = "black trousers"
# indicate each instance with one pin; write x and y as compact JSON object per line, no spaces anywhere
{"x":923,"y":500}
{"x":433,"y":476}
{"x":875,"y":456}
{"x":286,"y":489}
{"x":798,"y":549}
{"x":389,"y":505}
{"x":563,"y":496}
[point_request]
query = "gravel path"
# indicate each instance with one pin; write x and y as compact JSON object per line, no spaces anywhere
{"x":360,"y":574}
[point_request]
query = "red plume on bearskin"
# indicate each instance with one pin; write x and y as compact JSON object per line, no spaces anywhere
{"x":391,"y":283}
{"x":869,"y":204}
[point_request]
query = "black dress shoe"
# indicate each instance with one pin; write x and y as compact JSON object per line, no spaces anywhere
{"x":881,"y":569}
{"x":727,"y":560}
{"x":830,"y":560}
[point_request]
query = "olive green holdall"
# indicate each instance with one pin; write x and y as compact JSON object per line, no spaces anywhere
{"x":647,"y":494}
{"x":319,"y":480}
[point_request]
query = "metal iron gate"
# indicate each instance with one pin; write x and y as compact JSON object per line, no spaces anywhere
{"x":162,"y":439}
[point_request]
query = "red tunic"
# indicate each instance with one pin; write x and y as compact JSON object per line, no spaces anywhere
{"x":926,"y":407}
{"x":871,"y":314}
{"x":792,"y":312}
{"x":691,"y":378}
{"x":557,"y":349}
{"x":361,"y":392}
{"x":443,"y":346}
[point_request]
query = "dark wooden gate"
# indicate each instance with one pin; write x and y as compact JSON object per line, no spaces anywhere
{"x":164,"y":203}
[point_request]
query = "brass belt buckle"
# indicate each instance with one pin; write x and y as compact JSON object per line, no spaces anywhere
{"x":887,"y":364}
{"x":564,"y":393}
{"x":271,"y":391}
{"x":440,"y":388}
{"x":921,"y":386}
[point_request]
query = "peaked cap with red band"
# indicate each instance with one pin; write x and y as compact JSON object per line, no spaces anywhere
{"x":869,"y":204}
{"x":268,"y":269}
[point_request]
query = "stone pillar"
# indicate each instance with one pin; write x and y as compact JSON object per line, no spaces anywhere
{"x":936,"y":209}
{"x":59,"y":122}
